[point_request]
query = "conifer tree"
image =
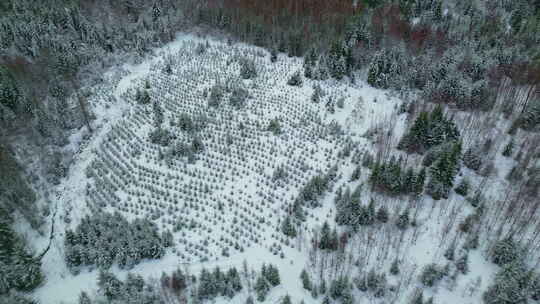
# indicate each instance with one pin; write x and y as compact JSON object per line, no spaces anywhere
{"x":507,"y":152}
{"x":84,"y":298}
{"x":324,"y":242}
{"x":261,"y":288}
{"x":306,"y":281}
{"x":463,"y":187}
{"x":403,"y":220}
{"x":273,"y":55}
{"x":462,"y":264}
{"x":295,"y":80}
{"x":419,"y":182}
{"x":394,"y":268}
{"x":287,"y":227}
{"x":286,"y":299}
{"x":382,"y":214}
{"x":272,"y":275}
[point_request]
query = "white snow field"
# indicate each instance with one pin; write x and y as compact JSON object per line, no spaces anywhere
{"x":225,"y":207}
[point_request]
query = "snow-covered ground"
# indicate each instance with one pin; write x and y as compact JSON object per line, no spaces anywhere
{"x":235,"y":172}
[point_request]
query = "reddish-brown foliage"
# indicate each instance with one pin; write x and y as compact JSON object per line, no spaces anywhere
{"x":419,"y":36}
{"x":343,"y":240}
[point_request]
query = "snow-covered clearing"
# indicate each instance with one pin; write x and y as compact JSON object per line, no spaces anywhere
{"x":226,"y":206}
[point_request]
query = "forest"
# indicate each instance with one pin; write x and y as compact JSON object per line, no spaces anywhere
{"x":247,"y":137}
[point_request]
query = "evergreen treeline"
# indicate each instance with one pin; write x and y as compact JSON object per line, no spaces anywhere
{"x":350,"y":211}
{"x":102,"y":239}
{"x":393,"y":178}
{"x":268,"y":278}
{"x":20,"y":269}
{"x":328,"y":239}
{"x":177,"y":285}
{"x":514,"y":282}
{"x":435,"y":133}
{"x":429,"y":129}
{"x":132,"y":290}
{"x":15,"y":193}
{"x":217,"y":283}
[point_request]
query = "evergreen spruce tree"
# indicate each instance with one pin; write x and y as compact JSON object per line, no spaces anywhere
{"x":84,"y":298}
{"x":403,"y":220}
{"x":306,"y":281}
{"x":382,"y":214}
{"x":356,"y":174}
{"x":286,"y":299}
{"x":472,"y":159}
{"x":109,"y":285}
{"x":450,"y":252}
{"x":272,"y":275}
{"x":507,"y":152}
{"x":287,"y":227}
{"x":338,"y":287}
{"x":418,"y":298}
{"x":325,"y":241}
{"x":510,"y":286}
{"x":443,"y":172}
{"x":505,"y":251}
{"x":295,"y":80}
{"x":462,"y":264}
{"x":394,"y":268}
{"x":409,"y":181}
{"x":317,"y":94}
{"x":463,"y":187}
{"x":218,"y":282}
{"x":431,"y":275}
{"x":205,"y":289}
{"x":322,"y":287}
{"x":535,"y":288}
{"x":419,"y":182}
{"x":326,"y":300}
{"x":273,"y":55}
{"x":261,"y":288}
{"x":10,"y":95}
{"x":371,"y":212}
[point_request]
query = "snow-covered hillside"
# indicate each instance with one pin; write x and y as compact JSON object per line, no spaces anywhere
{"x":225,"y":200}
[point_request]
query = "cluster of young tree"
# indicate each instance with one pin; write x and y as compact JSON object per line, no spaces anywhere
{"x":267,"y":279}
{"x":310,"y":193}
{"x":133,"y":289}
{"x":328,"y":238}
{"x":288,"y":226}
{"x":216,"y":283}
{"x":351,"y":212}
{"x":515,"y":282}
{"x":20,"y":268}
{"x":373,"y":282}
{"x":178,"y":286}
{"x":274,"y":126}
{"x":437,"y":135}
{"x":340,"y":288}
{"x":429,"y":130}
{"x":102,"y":239}
{"x":432,"y":274}
{"x":393,"y":178}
